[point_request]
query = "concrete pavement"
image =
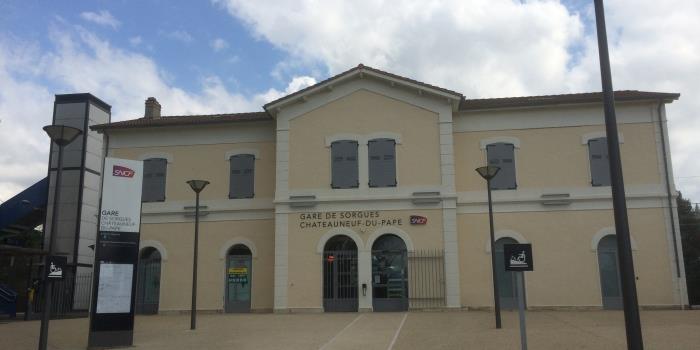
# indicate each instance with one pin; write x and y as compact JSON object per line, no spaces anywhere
{"x":413,"y":330}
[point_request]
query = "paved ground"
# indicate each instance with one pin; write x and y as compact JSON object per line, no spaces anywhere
{"x":666,"y":330}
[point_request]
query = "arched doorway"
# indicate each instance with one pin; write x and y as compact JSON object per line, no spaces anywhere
{"x":340,"y":274}
{"x":239,"y":264}
{"x":506,"y":279}
{"x":609,"y":273}
{"x":389,"y":274}
{"x":148,"y":281}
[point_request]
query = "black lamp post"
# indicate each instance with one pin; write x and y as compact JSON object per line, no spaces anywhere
{"x":61,"y":135}
{"x":488,"y":172}
{"x":197,"y":186}
{"x":633,"y":326}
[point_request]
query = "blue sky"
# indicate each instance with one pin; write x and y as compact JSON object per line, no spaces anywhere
{"x":177,"y":34}
{"x":223,"y":56}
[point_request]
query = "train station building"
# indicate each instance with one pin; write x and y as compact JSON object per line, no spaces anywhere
{"x":359,"y":194}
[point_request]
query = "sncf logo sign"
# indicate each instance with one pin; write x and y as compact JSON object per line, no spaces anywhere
{"x":418,"y":220}
{"x":122,"y":171}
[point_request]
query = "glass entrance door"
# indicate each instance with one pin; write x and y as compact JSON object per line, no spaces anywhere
{"x":389,"y":274}
{"x":506,"y":279}
{"x":609,"y":273}
{"x":238,"y":279}
{"x":148,"y":282}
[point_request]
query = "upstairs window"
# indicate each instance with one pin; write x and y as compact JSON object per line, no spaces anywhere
{"x":344,"y":173}
{"x":502,"y":155}
{"x":382,"y":162}
{"x":241,"y":184}
{"x":600,"y":165}
{"x":154,"y":173}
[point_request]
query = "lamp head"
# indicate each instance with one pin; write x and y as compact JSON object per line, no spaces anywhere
{"x":62,"y":134}
{"x":488,"y":172}
{"x":197,"y":185}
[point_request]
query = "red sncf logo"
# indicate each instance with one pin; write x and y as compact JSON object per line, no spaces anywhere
{"x":418,"y":220}
{"x":122,"y":171}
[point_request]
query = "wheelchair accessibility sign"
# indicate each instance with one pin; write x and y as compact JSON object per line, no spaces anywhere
{"x":518,"y":257}
{"x":55,"y":266}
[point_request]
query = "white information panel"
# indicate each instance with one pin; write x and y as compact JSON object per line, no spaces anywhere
{"x":114,"y":288}
{"x":121,"y":195}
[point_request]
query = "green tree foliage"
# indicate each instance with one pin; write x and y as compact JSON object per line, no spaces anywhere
{"x":689,"y":218}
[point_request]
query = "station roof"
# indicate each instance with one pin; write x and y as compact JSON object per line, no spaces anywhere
{"x":179,"y":120}
{"x":545,"y":100}
{"x":360,"y":71}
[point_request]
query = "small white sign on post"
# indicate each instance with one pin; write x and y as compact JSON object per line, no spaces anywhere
{"x":121,"y":195}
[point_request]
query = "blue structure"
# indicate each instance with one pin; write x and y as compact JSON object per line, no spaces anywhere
{"x":23,"y":213}
{"x":8,"y":300}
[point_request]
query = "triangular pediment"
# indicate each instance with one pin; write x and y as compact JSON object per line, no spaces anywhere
{"x":358,"y":73}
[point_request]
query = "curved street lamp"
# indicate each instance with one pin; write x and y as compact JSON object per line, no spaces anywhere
{"x":197,"y":186}
{"x":489,"y":172}
{"x":61,"y":135}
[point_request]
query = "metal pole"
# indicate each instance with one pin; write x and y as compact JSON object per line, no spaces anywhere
{"x":48,"y":285}
{"x":496,"y":299}
{"x":193,"y":317}
{"x":629,"y":289}
{"x":521,"y":308}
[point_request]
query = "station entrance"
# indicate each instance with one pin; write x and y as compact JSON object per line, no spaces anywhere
{"x":340,"y":275}
{"x":148,"y":282}
{"x":239,"y":263}
{"x":389,"y":274}
{"x":609,"y":273}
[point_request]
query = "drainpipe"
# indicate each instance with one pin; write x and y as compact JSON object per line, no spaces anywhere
{"x":669,"y":192}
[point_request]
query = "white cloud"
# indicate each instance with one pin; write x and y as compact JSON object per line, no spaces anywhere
{"x":496,"y":48}
{"x":103,"y":18}
{"x":180,"y":35}
{"x":84,"y":62}
{"x":136,"y":40}
{"x":218,"y":44}
{"x":656,"y":48}
{"x":480,"y":47}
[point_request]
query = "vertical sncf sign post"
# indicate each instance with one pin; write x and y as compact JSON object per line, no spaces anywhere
{"x":116,"y":255}
{"x":518,"y":258}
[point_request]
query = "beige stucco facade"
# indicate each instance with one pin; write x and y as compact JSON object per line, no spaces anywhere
{"x":295,"y":211}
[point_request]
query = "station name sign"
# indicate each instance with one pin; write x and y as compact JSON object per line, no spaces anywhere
{"x":350,"y":219}
{"x":121,"y":198}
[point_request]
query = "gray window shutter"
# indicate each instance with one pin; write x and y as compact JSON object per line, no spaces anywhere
{"x":344,"y":173}
{"x":502,"y":155}
{"x":382,"y":163}
{"x":154,"y":175}
{"x":600,"y":165}
{"x":242,"y":183}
